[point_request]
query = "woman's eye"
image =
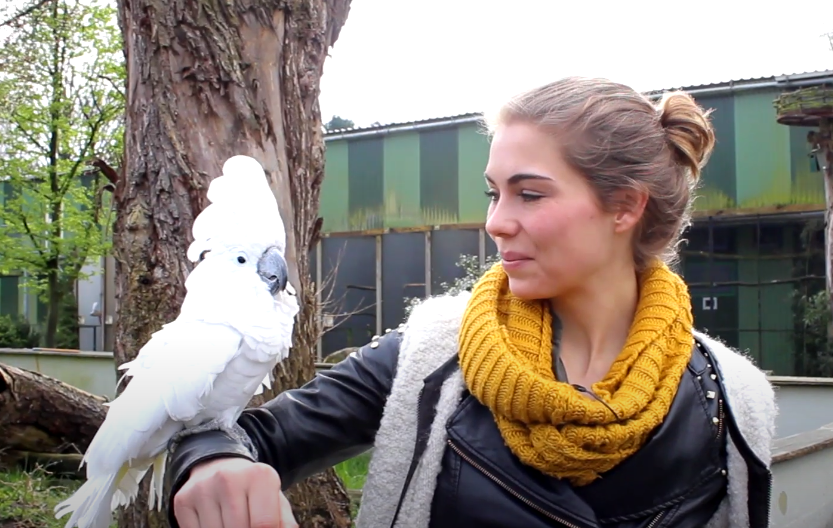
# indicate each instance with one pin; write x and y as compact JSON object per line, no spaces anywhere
{"x":527,"y":197}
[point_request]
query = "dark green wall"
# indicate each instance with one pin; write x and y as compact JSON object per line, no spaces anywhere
{"x":719,"y":186}
{"x":9,"y":296}
{"x":365,"y":184}
{"x":438,"y":175}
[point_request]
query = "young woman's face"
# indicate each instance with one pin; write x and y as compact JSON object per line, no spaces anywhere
{"x":548,"y":225}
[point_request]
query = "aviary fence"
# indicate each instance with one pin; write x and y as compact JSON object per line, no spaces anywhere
{"x":747,"y":277}
{"x":366,"y":278}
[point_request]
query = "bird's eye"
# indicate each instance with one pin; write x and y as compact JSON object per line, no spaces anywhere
{"x":202,"y":255}
{"x":241,"y":259}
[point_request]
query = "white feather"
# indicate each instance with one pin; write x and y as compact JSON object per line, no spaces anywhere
{"x":207,"y":363}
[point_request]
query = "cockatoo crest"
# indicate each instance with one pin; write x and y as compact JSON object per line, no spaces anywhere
{"x":243,"y":194}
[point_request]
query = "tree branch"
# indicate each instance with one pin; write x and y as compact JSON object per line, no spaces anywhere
{"x":109,"y":172}
{"x":28,"y":136}
{"x":23,"y":13}
{"x":31,"y":235}
{"x":81,"y":155}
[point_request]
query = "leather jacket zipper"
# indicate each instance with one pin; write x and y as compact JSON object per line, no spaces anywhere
{"x":656,"y":519}
{"x":523,"y":499}
{"x":509,"y":489}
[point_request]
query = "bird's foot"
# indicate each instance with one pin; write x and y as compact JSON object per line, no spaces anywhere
{"x":235,"y":431}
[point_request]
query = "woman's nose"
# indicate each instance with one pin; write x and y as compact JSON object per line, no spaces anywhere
{"x":500,"y":222}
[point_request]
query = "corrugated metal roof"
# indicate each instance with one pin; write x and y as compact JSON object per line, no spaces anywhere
{"x":783,"y":78}
{"x":427,"y":121}
{"x":787,"y":80}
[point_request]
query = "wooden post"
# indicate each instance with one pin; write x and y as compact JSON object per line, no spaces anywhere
{"x":823,"y":147}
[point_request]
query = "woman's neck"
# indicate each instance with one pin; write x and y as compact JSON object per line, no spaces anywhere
{"x":596,"y":321}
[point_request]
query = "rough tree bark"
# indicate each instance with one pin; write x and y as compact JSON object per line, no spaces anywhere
{"x":40,"y":414}
{"x":207,"y":80}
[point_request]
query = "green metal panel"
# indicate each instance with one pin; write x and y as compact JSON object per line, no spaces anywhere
{"x":807,"y":182}
{"x":401,"y":176}
{"x":718,"y":189}
{"x":763,"y":152}
{"x":438,"y":189}
{"x":766,"y":319}
{"x":7,"y":194}
{"x":333,"y":198}
{"x":714,"y":303}
{"x":366,"y":182}
{"x":8,"y":191}
{"x":471,"y":163}
{"x":750,"y":339}
{"x":777,"y":320}
{"x":9,"y":296}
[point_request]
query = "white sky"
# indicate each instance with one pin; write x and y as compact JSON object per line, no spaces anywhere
{"x":401,"y":61}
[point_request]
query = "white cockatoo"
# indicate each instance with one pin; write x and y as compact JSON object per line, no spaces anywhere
{"x":199,"y":371}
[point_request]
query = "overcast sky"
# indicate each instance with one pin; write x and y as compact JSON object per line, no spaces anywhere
{"x":400,"y":61}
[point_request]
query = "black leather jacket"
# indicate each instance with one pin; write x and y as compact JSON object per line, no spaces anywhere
{"x":676,"y":480}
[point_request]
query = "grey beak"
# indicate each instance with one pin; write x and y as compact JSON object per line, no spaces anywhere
{"x":272,"y":269}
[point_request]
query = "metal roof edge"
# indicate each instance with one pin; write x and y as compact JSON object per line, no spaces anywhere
{"x":761,"y":83}
{"x":408,"y":126}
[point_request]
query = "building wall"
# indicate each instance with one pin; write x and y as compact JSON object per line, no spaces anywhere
{"x":435,"y":176}
{"x":744,"y":288}
{"x":757,"y":163}
{"x":405,"y":179}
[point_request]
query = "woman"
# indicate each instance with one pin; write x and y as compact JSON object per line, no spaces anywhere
{"x":568,"y":389}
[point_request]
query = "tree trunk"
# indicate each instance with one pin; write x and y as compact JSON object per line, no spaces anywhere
{"x":825,"y":156}
{"x":40,"y":414}
{"x":205,"y":81}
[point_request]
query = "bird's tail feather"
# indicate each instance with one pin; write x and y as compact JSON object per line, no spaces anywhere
{"x":157,"y":481}
{"x":90,"y":505}
{"x":128,"y":487}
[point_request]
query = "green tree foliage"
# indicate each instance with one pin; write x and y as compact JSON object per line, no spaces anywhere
{"x":61,"y":112}
{"x":337,"y":123}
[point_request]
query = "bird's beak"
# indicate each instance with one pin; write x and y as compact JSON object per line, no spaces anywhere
{"x":272,"y":269}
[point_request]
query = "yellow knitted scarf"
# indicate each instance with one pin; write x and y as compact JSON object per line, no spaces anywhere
{"x":505,"y":356}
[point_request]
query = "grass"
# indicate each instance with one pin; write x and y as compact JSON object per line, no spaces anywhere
{"x":27,"y":500}
{"x":353,"y":472}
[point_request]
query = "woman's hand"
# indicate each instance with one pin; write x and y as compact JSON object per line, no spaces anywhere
{"x":233,"y":493}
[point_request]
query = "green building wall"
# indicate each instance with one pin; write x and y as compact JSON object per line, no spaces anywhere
{"x":406,"y":179}
{"x":750,"y":303}
{"x":435,"y":176}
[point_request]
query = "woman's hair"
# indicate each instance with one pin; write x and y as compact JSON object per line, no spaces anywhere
{"x":620,"y":141}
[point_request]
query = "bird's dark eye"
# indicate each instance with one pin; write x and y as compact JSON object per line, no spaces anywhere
{"x":241,"y":260}
{"x":202,"y":255}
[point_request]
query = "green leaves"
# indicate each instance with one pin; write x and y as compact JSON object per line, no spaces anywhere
{"x":61,"y":107}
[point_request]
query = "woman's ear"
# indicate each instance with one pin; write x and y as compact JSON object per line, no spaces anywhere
{"x":631,"y":206}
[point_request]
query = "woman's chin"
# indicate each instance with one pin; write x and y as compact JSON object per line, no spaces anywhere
{"x":527,"y":290}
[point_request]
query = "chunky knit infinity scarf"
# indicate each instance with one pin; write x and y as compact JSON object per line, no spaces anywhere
{"x":506,"y":359}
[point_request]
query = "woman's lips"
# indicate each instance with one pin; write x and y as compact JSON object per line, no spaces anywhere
{"x":512,"y":260}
